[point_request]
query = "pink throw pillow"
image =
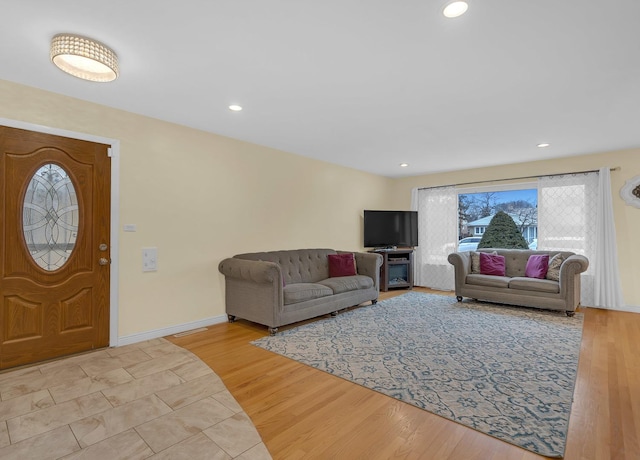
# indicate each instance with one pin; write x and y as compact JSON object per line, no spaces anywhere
{"x":342,"y":265}
{"x":537,"y":266}
{"x":491,"y":264}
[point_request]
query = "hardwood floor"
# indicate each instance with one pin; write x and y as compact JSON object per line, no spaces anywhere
{"x":302,"y":412}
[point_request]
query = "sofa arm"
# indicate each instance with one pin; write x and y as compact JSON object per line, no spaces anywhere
{"x":461,"y":262}
{"x":575,"y":264}
{"x":570,"y":279}
{"x":253,"y":290}
{"x":368,"y":264}
{"x":258,"y":271}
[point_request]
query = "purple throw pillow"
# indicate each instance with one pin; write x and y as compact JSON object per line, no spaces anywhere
{"x":342,"y":265}
{"x":537,"y":266}
{"x":491,"y":264}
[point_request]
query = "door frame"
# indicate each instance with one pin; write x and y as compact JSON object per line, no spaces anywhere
{"x":114,"y":153}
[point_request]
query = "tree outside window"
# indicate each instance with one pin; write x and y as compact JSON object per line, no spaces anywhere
{"x":475,"y":211}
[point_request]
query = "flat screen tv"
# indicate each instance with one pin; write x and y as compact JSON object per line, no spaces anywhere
{"x":390,"y":229}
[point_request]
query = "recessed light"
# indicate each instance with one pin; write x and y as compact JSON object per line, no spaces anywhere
{"x":404,"y":165}
{"x":455,"y":9}
{"x":235,"y":108}
{"x":543,"y":145}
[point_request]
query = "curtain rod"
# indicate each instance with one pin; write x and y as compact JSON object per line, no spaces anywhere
{"x":616,"y":168}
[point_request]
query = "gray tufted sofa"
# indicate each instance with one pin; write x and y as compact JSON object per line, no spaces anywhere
{"x":515,"y":288}
{"x":282,"y":287}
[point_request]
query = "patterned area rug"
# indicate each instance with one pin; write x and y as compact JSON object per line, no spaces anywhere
{"x":508,"y":372}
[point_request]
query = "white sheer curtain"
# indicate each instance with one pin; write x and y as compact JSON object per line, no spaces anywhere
{"x":608,"y":289}
{"x":438,"y":234}
{"x":569,"y":219}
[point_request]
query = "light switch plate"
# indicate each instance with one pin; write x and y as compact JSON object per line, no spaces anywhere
{"x":149,"y":259}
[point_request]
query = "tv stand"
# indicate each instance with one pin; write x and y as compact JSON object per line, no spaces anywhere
{"x":397,"y":268}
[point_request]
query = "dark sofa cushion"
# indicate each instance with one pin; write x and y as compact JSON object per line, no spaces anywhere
{"x":492,"y":264}
{"x":342,"y":265}
{"x":537,"y":266}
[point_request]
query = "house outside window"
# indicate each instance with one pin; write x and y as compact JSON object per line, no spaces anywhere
{"x":527,"y":225}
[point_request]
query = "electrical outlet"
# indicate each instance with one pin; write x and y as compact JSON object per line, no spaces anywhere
{"x":149,"y":259}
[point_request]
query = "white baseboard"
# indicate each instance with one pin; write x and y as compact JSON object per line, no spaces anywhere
{"x":148,"y":335}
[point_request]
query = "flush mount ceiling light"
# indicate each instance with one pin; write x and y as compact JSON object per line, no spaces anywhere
{"x":84,"y":58}
{"x":543,"y":145}
{"x":404,"y":165}
{"x":235,"y":108}
{"x":455,"y":9}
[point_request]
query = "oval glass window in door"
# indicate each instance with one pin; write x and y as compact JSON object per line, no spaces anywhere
{"x":50,"y":217}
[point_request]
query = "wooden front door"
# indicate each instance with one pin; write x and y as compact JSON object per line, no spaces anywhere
{"x":54,"y":246}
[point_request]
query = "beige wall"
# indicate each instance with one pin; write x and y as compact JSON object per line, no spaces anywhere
{"x":627,"y":218}
{"x":199,"y":198}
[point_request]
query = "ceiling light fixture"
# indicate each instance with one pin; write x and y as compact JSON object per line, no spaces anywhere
{"x":543,"y":145}
{"x":455,"y":9}
{"x":404,"y":165}
{"x":84,"y":58}
{"x":235,"y":108}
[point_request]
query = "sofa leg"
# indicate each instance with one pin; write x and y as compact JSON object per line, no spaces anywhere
{"x":459,"y":298}
{"x":273,"y":331}
{"x":374,"y":301}
{"x":570,"y":313}
{"x":334,"y":314}
{"x":232,"y":318}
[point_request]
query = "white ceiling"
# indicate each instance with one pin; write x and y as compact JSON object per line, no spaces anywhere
{"x":366,"y":84}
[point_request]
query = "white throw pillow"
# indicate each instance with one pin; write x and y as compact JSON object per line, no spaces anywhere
{"x":553,"y":273}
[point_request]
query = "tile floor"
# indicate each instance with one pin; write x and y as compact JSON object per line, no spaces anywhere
{"x":150,"y":400}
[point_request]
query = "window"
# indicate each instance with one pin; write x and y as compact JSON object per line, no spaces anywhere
{"x":50,"y":217}
{"x":477,"y":206}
